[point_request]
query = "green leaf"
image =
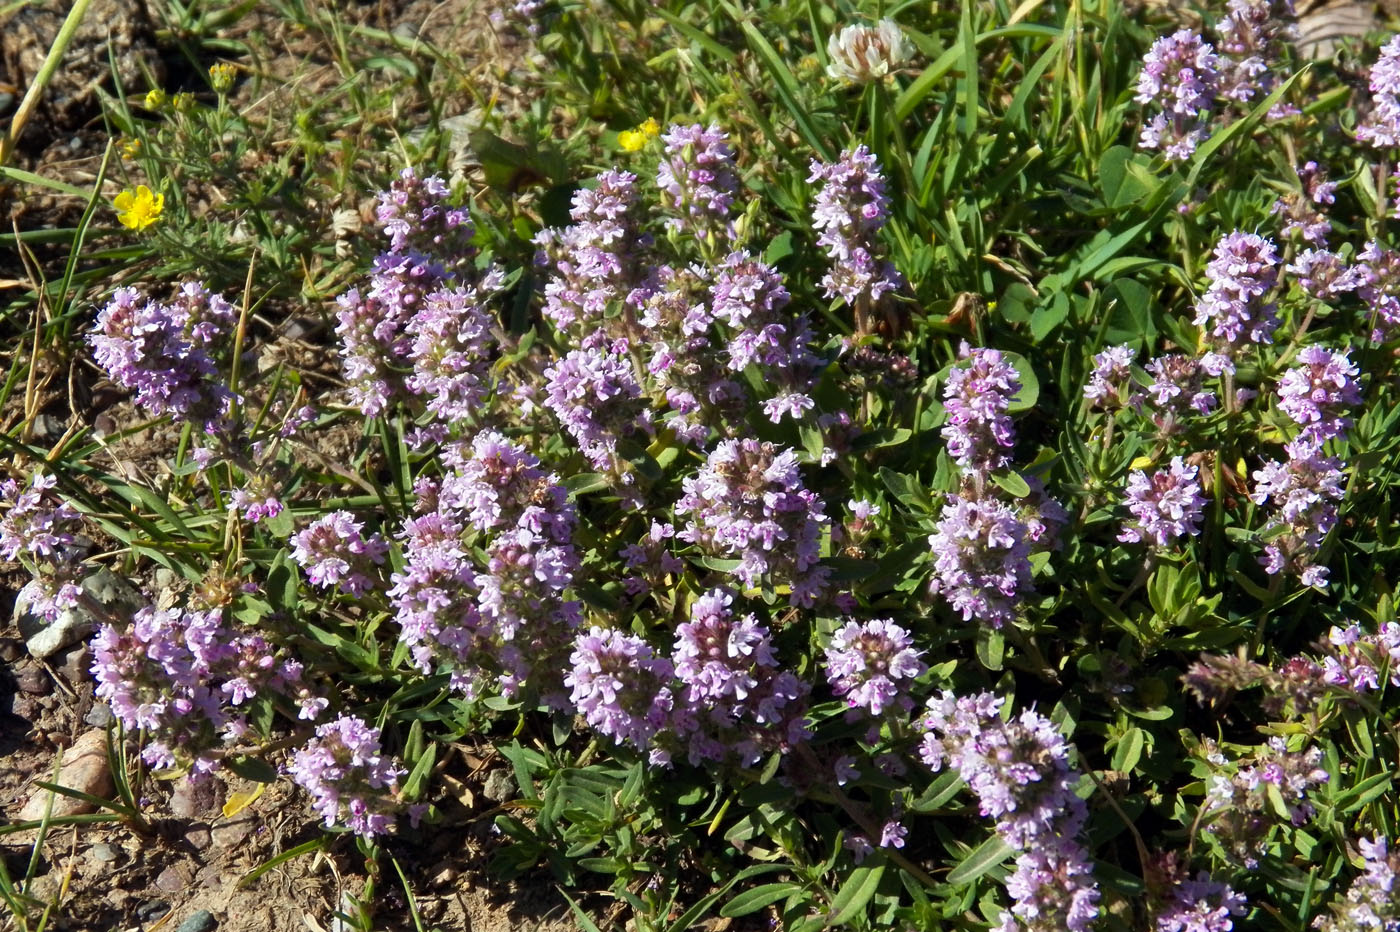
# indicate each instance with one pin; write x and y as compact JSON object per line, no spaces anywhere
{"x":755,"y":898}
{"x":1129,"y":751}
{"x":857,"y":891}
{"x":982,"y":859}
{"x":1013,"y":483}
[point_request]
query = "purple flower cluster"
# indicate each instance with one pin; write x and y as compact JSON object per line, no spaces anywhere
{"x":849,"y":211}
{"x":719,"y":697}
{"x":1252,"y":36}
{"x":1353,"y":660}
{"x":1382,"y":127}
{"x":1020,"y":773}
{"x":1238,"y":809}
{"x":1371,"y":902}
{"x":620,"y":686}
{"x":749,"y":298}
{"x":1299,"y":211}
{"x":594,"y":258}
{"x":594,"y":392}
{"x":698,"y":181}
{"x":451,"y":341}
{"x":504,"y":620}
{"x":651,"y":557}
{"x":1317,"y":393}
{"x":1377,"y":272}
{"x":38,"y":531}
{"x":335,"y":552}
{"x":1178,"y":391}
{"x":733,"y":702}
{"x":981,"y":559}
{"x":1196,"y":905}
{"x":1323,"y":275}
{"x":350,"y":780}
{"x":1244,"y":270}
{"x":1111,"y":380}
{"x":429,"y":251}
{"x":685,"y":361}
{"x":1181,"y":75}
{"x":1165,"y":505}
{"x":1304,"y":490}
{"x":977,"y":397}
{"x":748,"y":502}
{"x":166,"y":353}
{"x":180,"y":675}
{"x":871,"y":665}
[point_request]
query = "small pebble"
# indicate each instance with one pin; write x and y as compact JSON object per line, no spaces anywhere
{"x":202,"y":921}
{"x":104,"y":852}
{"x":152,"y":910}
{"x":170,"y":880}
{"x":99,"y":716}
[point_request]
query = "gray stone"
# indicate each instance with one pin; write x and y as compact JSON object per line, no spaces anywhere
{"x":152,"y":910}
{"x":99,"y":716}
{"x":46,"y":638}
{"x":170,"y":880}
{"x":202,"y":921}
{"x":198,"y":837}
{"x":500,"y":786}
{"x":104,"y":852}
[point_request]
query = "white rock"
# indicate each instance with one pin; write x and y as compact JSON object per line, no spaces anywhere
{"x":85,"y":768}
{"x":46,"y":638}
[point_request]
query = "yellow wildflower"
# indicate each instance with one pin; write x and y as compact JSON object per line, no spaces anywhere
{"x":155,"y":99}
{"x":138,"y":209}
{"x":131,"y":148}
{"x":632,"y":140}
{"x":183,"y":101}
{"x":221,"y":77}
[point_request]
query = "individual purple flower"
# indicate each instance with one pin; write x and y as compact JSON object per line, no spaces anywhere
{"x":594,"y":392}
{"x":350,"y":780}
{"x":651,"y":556}
{"x":977,"y":398}
{"x":1180,"y":74}
{"x":165,"y":353}
{"x":1304,"y":491}
{"x":593,"y":258}
{"x":892,"y":834}
{"x":981,"y":560}
{"x":1112,"y":375}
{"x":1381,"y":128}
{"x":866,"y":663}
{"x":335,"y":552}
{"x":697,"y":179}
{"x":619,"y":686}
{"x":1370,"y":903}
{"x":748,"y":502}
{"x":1165,"y":505}
{"x":1233,"y":308}
{"x":850,"y":208}
{"x":1317,"y":393}
{"x":1241,"y":803}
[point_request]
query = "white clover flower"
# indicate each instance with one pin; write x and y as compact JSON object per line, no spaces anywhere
{"x":861,"y":54}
